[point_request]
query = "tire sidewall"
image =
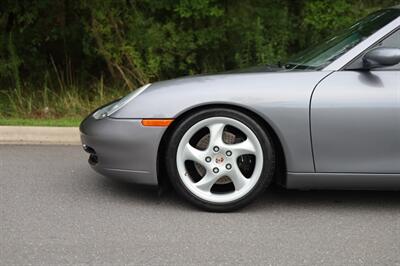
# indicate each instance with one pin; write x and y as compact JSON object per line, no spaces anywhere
{"x":267,"y":148}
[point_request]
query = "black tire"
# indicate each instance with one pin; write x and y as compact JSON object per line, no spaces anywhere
{"x":267,"y":170}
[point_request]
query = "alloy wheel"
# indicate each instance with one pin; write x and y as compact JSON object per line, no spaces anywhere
{"x":219,"y":159}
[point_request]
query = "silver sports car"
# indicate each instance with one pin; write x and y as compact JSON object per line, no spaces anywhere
{"x":328,"y":118}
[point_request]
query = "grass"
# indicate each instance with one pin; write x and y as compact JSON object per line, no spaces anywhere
{"x":45,"y":107}
{"x":60,"y":104}
{"x":57,"y":100}
{"x":59,"y":122}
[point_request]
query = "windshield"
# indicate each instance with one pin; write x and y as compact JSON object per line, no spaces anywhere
{"x":323,"y":54}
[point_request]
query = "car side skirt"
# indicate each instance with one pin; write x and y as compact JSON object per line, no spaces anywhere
{"x":351,"y":181}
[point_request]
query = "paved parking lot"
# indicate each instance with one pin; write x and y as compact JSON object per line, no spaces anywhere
{"x":56,"y":210}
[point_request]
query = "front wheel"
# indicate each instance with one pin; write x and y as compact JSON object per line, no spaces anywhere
{"x":219,"y":159}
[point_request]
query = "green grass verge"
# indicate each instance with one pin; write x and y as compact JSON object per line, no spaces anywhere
{"x":62,"y":122}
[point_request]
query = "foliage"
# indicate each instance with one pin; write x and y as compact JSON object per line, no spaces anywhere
{"x":62,"y":58}
{"x":49,"y":122}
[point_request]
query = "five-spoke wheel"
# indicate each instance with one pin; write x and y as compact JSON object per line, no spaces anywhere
{"x":220,"y":159}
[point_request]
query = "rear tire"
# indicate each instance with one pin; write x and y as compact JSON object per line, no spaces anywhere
{"x":219,"y":159}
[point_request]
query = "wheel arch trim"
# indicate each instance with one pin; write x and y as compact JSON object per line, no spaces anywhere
{"x":266,"y":124}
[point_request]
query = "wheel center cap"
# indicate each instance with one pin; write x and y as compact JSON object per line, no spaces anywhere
{"x":219,"y":159}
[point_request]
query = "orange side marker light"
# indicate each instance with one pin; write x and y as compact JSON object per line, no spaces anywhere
{"x":156,"y":122}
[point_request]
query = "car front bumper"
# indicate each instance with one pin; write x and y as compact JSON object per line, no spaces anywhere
{"x":122,"y":148}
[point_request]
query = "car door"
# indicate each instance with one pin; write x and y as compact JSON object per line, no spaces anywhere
{"x":355,"y":119}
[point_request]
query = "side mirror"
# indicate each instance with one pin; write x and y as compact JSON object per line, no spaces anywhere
{"x":381,"y":57}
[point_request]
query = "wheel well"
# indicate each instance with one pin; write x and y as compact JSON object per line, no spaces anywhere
{"x":280,"y":172}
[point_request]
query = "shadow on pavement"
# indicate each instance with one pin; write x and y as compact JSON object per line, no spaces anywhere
{"x":328,"y":199}
{"x":273,"y":198}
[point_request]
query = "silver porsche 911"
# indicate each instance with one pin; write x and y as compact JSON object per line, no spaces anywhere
{"x":328,"y":118}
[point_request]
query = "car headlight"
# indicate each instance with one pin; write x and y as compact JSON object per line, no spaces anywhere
{"x":112,"y":108}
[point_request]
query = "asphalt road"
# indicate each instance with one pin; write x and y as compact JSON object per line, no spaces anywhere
{"x":56,"y":210}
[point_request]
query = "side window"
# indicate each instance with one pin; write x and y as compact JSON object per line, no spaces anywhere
{"x":392,"y":41}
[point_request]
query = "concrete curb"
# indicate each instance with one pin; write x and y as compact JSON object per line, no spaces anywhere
{"x":39,"y":135}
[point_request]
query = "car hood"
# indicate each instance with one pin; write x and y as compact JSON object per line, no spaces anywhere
{"x":171,"y":97}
